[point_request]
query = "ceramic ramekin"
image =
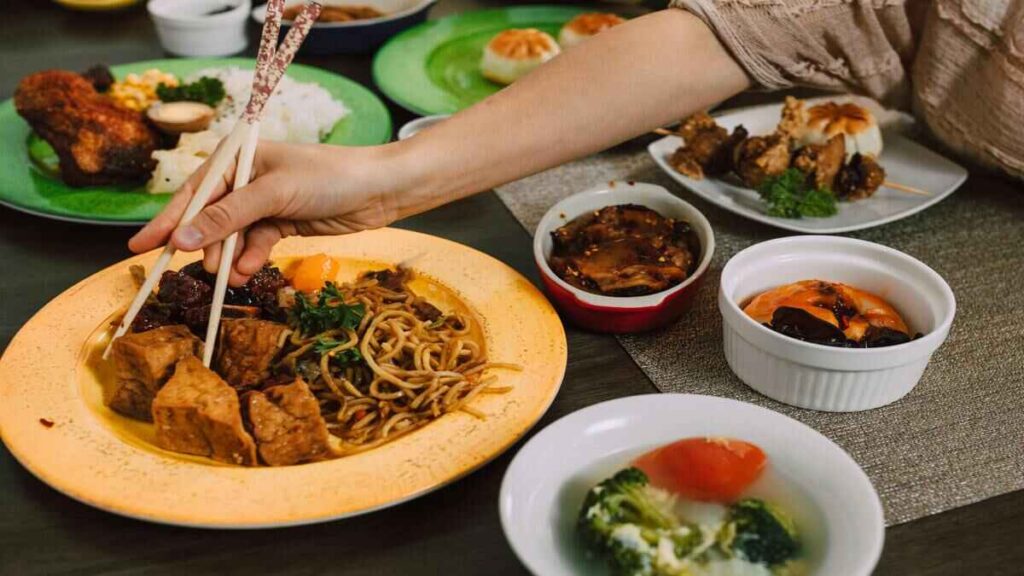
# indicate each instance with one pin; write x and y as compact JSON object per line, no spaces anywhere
{"x":823,"y":377}
{"x":616,"y":314}
{"x":357,"y":36}
{"x":191,"y":28}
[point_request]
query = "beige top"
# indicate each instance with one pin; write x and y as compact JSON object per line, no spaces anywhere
{"x":958,"y":63}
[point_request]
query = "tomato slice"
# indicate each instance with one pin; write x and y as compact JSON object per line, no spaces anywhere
{"x":711,"y":469}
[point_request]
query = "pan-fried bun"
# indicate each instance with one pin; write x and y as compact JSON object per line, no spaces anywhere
{"x":586,"y":25}
{"x":513,"y":53}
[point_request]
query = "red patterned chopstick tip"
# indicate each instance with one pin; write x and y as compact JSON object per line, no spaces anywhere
{"x":269,"y":74}
{"x":271,"y":30}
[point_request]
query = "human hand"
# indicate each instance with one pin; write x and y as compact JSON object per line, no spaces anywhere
{"x":295,"y":190}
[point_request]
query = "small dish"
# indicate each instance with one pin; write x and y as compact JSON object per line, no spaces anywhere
{"x":200,"y":27}
{"x":409,"y":129}
{"x":904,"y":160}
{"x":357,"y":36}
{"x":622,"y":314}
{"x":823,"y":377}
{"x":545,"y":484}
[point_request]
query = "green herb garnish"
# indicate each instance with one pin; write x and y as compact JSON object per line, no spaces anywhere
{"x":207,"y":90}
{"x":329,"y":312}
{"x":788,"y":195}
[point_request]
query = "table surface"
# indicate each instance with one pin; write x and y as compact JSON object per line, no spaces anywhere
{"x":452,"y":531}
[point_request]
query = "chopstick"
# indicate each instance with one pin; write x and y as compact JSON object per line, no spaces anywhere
{"x":894,"y":185}
{"x":271,"y":65}
{"x":272,"y":62}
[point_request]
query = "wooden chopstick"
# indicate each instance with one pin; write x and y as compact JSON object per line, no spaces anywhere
{"x":271,"y":67}
{"x":219,"y":164}
{"x":225,"y":153}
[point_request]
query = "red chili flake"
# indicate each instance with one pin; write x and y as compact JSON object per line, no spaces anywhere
{"x":45,"y":422}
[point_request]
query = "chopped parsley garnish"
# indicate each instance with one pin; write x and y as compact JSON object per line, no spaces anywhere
{"x":788,"y":195}
{"x":329,"y":312}
{"x":207,"y":90}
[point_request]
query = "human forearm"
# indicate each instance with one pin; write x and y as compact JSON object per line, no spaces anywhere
{"x":622,"y":83}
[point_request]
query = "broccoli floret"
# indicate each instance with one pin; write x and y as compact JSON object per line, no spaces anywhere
{"x":759,"y":532}
{"x":626,"y":520}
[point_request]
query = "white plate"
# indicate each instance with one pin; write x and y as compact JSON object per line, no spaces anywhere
{"x":905,"y":162}
{"x":547,"y":481}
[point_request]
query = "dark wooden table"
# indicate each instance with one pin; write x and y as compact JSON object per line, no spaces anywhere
{"x":452,"y":531}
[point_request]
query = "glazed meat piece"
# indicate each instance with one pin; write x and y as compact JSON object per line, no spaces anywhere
{"x":100,"y":77}
{"x":245,"y":349}
{"x":393,"y":280}
{"x":198,"y":413}
{"x":197,"y":318}
{"x":859,"y":178}
{"x":821,"y":162}
{"x":181,"y":292}
{"x":287,"y":425}
{"x":97,"y":142}
{"x":759,"y":157}
{"x":624,"y":250}
{"x":143,"y":362}
{"x":707,"y":147}
{"x":793,"y":120}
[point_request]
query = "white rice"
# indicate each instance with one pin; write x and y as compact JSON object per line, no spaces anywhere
{"x":297,"y":112}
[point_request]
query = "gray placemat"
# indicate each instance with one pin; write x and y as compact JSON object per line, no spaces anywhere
{"x":958,"y":437}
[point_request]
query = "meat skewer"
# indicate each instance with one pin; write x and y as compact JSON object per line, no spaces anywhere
{"x":242,"y":133}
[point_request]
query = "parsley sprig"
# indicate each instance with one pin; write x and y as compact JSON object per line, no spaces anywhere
{"x":788,"y":195}
{"x":329,"y":312}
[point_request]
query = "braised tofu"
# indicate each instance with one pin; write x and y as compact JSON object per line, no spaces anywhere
{"x":246,"y":347}
{"x":143,"y":362}
{"x":287,"y":425}
{"x":196,"y":412}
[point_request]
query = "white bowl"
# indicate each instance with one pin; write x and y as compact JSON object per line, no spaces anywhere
{"x":410,"y":128}
{"x":545,"y":484}
{"x":824,"y":377}
{"x":185,"y":29}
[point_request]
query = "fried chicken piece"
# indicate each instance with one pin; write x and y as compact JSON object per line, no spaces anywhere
{"x":759,"y":157}
{"x":859,"y":178}
{"x":821,"y":162}
{"x":97,"y":142}
{"x":707,"y":147}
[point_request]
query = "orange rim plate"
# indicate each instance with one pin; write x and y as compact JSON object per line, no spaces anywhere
{"x":51,"y":422}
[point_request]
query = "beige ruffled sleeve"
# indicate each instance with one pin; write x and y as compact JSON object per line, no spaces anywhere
{"x":960,"y":63}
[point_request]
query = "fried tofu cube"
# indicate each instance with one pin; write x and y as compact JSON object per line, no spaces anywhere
{"x":196,"y":412}
{"x":143,"y":362}
{"x":287,"y":424}
{"x":246,"y":348}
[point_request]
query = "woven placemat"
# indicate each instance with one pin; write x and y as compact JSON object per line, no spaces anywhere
{"x":958,"y":437}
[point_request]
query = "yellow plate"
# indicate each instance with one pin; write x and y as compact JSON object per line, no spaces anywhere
{"x":85,"y":455}
{"x":96,"y":4}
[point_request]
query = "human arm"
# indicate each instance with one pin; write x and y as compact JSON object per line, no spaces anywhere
{"x":643,"y":74}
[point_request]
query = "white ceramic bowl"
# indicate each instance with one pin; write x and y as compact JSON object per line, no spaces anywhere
{"x":622,"y":314}
{"x":412,"y":127}
{"x":545,"y":484}
{"x":185,"y":28}
{"x":823,"y":377}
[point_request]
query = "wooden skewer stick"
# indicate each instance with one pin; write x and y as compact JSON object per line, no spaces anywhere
{"x":664,"y":132}
{"x":905,"y":188}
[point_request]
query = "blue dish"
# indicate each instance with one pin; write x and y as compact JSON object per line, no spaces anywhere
{"x":357,"y":36}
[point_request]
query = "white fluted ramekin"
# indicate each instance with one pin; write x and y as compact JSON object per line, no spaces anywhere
{"x":824,"y":377}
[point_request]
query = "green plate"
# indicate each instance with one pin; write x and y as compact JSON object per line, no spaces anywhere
{"x":27,"y":164}
{"x":434,"y":68}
